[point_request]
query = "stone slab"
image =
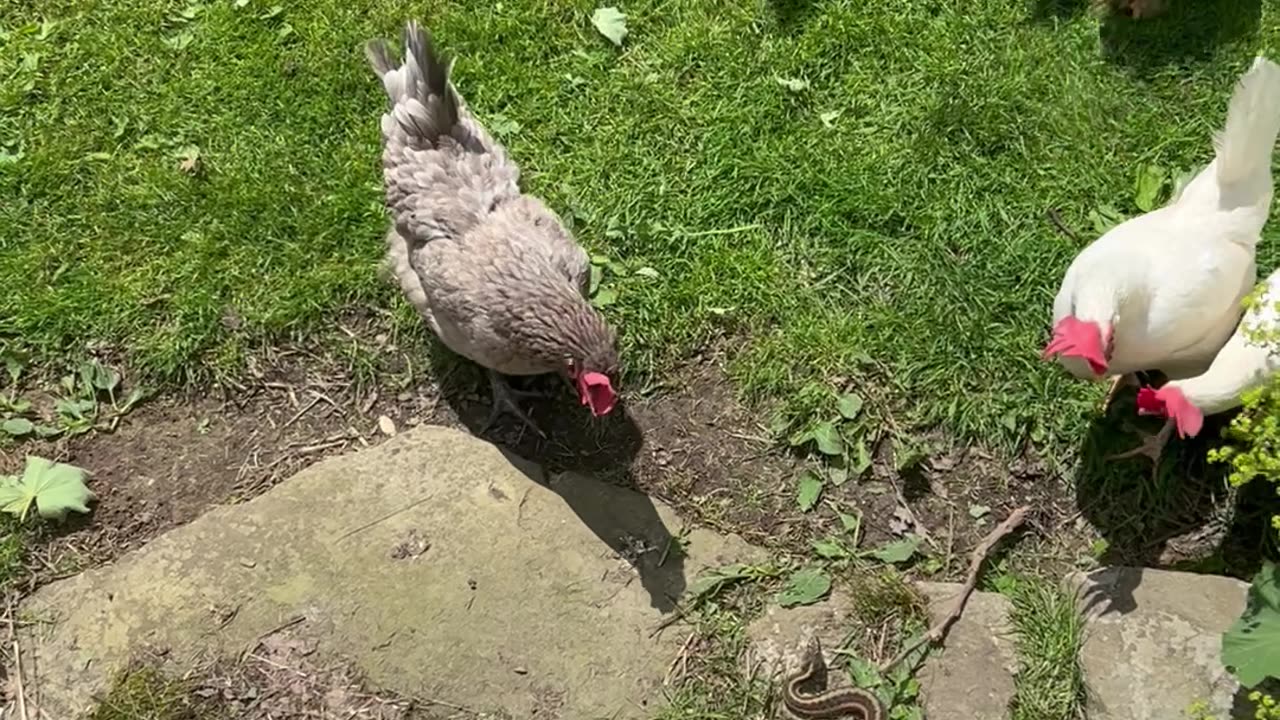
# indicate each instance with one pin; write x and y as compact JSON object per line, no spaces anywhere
{"x":442,"y":567}
{"x":1153,"y":640}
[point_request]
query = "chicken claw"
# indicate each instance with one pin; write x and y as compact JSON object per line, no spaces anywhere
{"x":1152,"y":446}
{"x":504,"y":399}
{"x":1118,"y":382}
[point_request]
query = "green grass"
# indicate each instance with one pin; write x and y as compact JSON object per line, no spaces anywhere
{"x":144,"y":693}
{"x":1048,"y":633}
{"x":905,"y":245}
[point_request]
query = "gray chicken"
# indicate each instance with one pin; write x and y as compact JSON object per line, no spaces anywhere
{"x":494,"y":272}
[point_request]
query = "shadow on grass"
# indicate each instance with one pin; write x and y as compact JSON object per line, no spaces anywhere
{"x":586,"y":461}
{"x":1190,"y":31}
{"x":791,"y":14}
{"x":1057,"y":9}
{"x":1183,"y":517}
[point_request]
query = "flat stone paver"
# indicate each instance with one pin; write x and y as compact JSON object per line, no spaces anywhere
{"x":437,"y":564}
{"x":1153,"y":641}
{"x":971,"y":678}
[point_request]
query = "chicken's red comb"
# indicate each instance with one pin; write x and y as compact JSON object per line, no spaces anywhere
{"x":1074,"y":337}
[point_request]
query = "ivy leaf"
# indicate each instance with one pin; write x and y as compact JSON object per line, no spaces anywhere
{"x":828,"y":439}
{"x":861,"y":460}
{"x":804,"y":587}
{"x":1104,"y":218}
{"x":1251,"y":647}
{"x":713,"y":581}
{"x":17,"y":427}
{"x":849,"y":406}
{"x":54,"y":488}
{"x":838,"y":475}
{"x":864,"y":673}
{"x":605,"y":297}
{"x":851,"y":523}
{"x":503,"y":126}
{"x":611,"y":23}
{"x":1182,"y":179}
{"x":898,"y":551}
{"x":808,"y":490}
{"x":1147,"y":187}
{"x":831,"y":549}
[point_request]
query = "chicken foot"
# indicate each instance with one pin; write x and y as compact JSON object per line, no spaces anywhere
{"x":1152,"y":446}
{"x":1118,"y":382}
{"x":504,"y":400}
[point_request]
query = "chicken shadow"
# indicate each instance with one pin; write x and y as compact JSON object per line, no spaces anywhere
{"x":1188,"y":31}
{"x":1185,"y":516}
{"x":585,"y":460}
{"x":792,"y":14}
{"x":1042,"y":10}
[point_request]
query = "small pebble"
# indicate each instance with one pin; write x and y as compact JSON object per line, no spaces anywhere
{"x":386,"y":425}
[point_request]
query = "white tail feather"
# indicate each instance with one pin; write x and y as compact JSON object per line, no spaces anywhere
{"x":1253,"y":120}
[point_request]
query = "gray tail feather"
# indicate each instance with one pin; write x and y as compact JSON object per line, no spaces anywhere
{"x":422,"y":97}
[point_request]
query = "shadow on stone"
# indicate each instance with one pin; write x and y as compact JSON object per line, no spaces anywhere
{"x":575,"y":441}
{"x":1185,"y":517}
{"x":1190,"y":31}
{"x":625,"y":520}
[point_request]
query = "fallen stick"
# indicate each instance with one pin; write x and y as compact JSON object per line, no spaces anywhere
{"x":938,"y":631}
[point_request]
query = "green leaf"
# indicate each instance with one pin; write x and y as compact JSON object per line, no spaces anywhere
{"x":804,"y":587}
{"x":851,"y":523}
{"x":1251,"y":647}
{"x":977,"y":512}
{"x":597,"y":275}
{"x":503,"y":126}
{"x":14,"y":369}
{"x":838,"y":474}
{"x":54,"y":488}
{"x":908,"y":453}
{"x":808,"y":490}
{"x":710,"y":582}
{"x":17,"y":427}
{"x":611,"y":23}
{"x":1104,"y":218}
{"x":849,"y":406}
{"x":1147,"y":187}
{"x":831,"y":549}
{"x":864,"y":673}
{"x":828,"y":440}
{"x":898,"y":551}
{"x":861,"y":459}
{"x":1182,"y":179}
{"x":605,"y":297}
{"x":793,"y":84}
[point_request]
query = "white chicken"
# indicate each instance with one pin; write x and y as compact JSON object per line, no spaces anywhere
{"x":1162,"y":291}
{"x":1246,"y":362}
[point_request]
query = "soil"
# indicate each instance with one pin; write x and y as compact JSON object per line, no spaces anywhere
{"x":691,"y":443}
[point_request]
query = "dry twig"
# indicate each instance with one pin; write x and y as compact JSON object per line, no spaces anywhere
{"x":938,"y":631}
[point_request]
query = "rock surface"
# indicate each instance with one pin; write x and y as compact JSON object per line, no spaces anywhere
{"x":970,"y":679}
{"x":972,"y":675}
{"x":438,"y":565}
{"x":1153,"y":640}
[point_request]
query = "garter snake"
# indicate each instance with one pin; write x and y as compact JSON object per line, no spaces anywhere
{"x":849,"y":702}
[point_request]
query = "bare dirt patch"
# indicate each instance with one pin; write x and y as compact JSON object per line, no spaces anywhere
{"x":691,"y":443}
